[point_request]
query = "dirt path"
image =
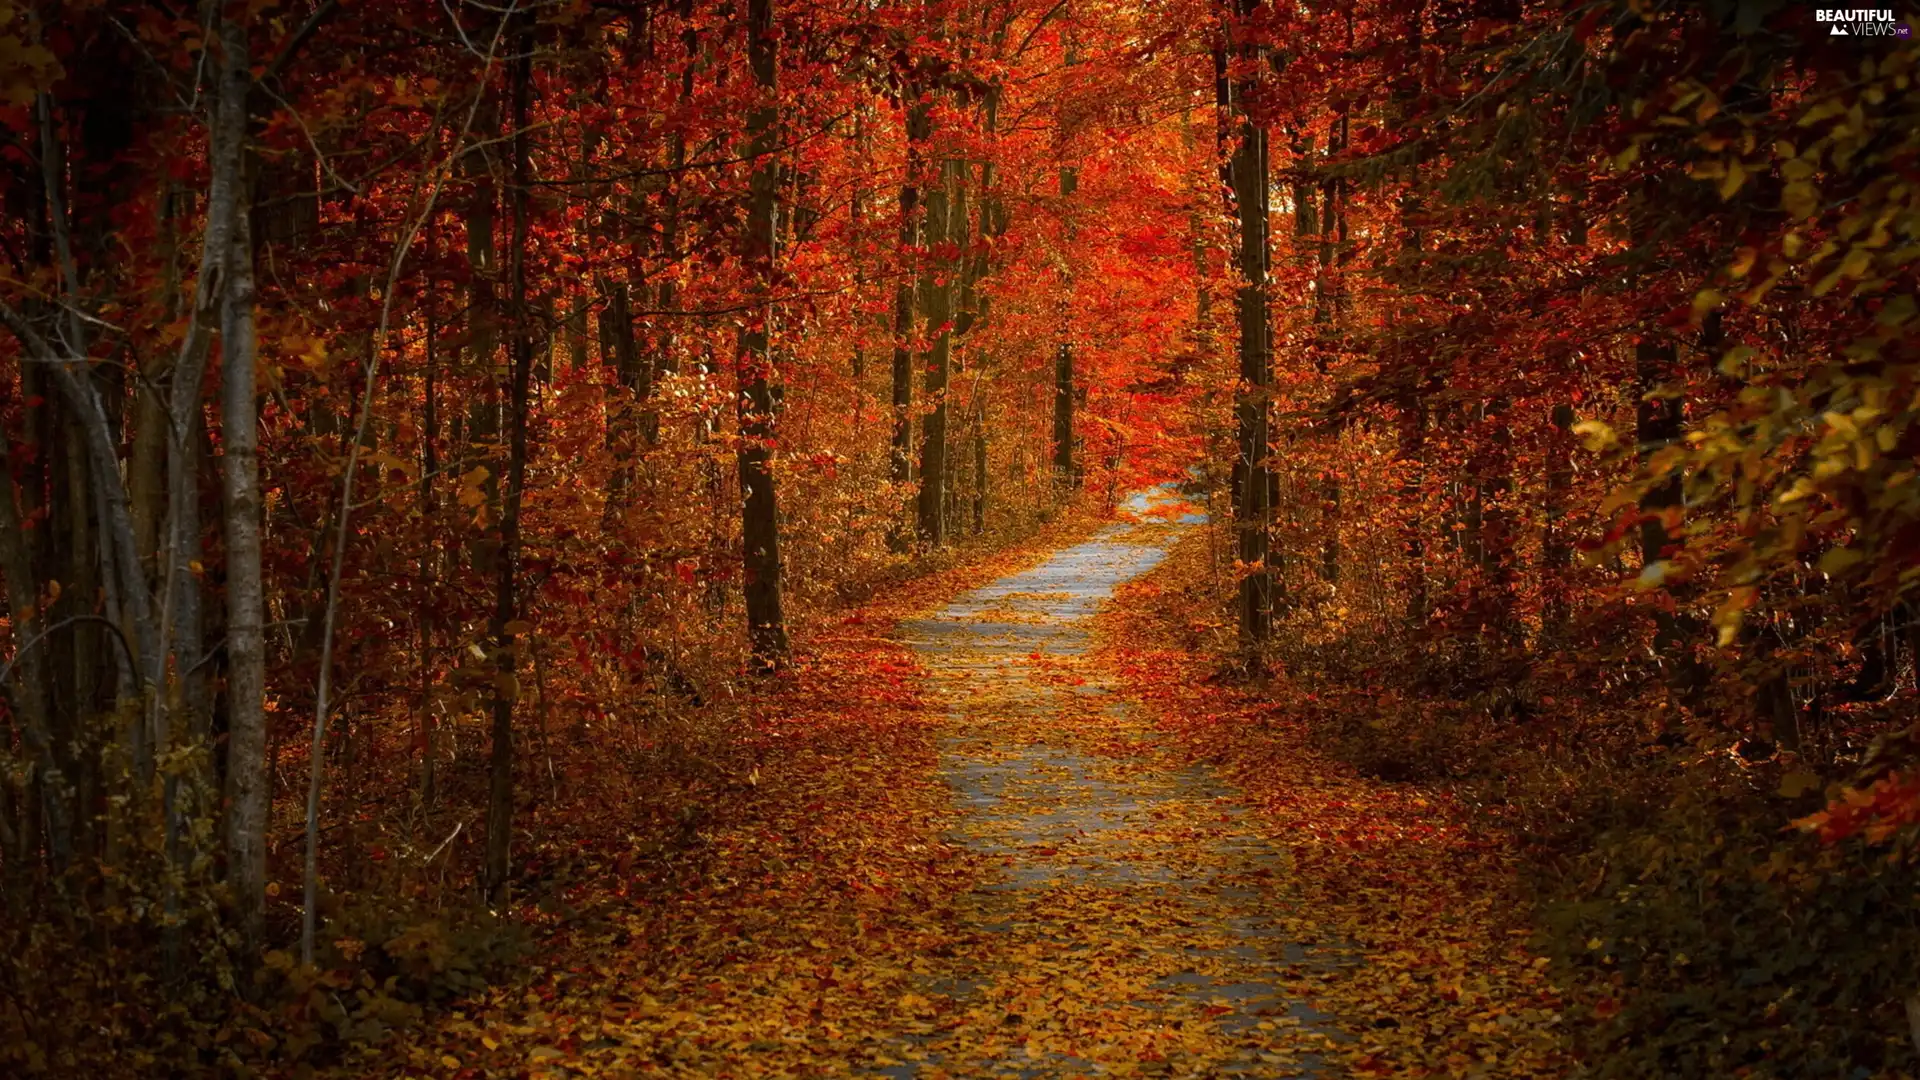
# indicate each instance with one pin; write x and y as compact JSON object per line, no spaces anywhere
{"x":1128,"y":921}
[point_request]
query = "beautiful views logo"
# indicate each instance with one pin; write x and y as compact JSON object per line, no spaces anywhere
{"x":1862,"y":22}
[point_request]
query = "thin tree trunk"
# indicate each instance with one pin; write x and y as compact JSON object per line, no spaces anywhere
{"x":1493,"y":484}
{"x":1413,"y":441}
{"x":1066,"y":469}
{"x":945,"y":204}
{"x":1556,"y":547}
{"x":1063,"y":386}
{"x":506,"y":599}
{"x":620,"y":350}
{"x":1657,"y":425}
{"x":903,"y":307}
{"x":1657,"y":418}
{"x":1250,"y":183}
{"x":247,"y":790}
{"x":429,"y":576}
{"x":483,"y":330}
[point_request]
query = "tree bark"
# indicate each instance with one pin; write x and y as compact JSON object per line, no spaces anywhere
{"x":903,"y":305}
{"x":1556,"y":547}
{"x":506,"y":685}
{"x":1657,"y":416}
{"x":945,"y":205}
{"x":483,"y":331}
{"x":620,"y":351}
{"x":1065,"y":469}
{"x":429,"y":506}
{"x":760,"y":525}
{"x":1250,"y":182}
{"x":1063,"y":383}
{"x":27,"y":690}
{"x":247,"y":786}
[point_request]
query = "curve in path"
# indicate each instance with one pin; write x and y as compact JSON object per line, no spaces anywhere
{"x":1127,"y":921}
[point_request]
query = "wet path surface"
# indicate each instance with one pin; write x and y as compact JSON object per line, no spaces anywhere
{"x":1128,"y":922}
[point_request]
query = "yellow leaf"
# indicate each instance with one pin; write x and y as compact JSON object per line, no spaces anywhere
{"x":1595,"y":434}
{"x":1836,"y":560}
{"x":1800,"y":199}
{"x":1795,"y":784}
{"x":1736,"y":176}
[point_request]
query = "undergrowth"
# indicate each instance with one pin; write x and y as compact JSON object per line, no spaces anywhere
{"x":1654,"y":858}
{"x":621,"y":811}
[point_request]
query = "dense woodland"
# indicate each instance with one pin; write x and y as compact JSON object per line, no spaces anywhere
{"x":431,"y":425}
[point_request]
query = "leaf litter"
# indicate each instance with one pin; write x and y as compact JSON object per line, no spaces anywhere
{"x":999,"y":850}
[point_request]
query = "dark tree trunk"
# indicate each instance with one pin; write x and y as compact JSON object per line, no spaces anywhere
{"x":1556,"y":547}
{"x":760,"y":521}
{"x":506,"y":613}
{"x":1413,"y":441}
{"x":946,"y":225}
{"x":1253,"y":411}
{"x":903,"y":307}
{"x":1657,"y":417}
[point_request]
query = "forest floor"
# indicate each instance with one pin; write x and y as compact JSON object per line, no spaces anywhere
{"x":998,"y":826}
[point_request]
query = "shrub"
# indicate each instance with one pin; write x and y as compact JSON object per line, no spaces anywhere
{"x":1727,"y":947}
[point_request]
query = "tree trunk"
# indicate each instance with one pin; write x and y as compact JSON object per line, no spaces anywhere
{"x":620,"y":351}
{"x":1063,"y":397}
{"x":760,"y":525}
{"x":483,"y":333}
{"x":946,"y":226}
{"x":247,"y":791}
{"x":1250,"y":183}
{"x":1657,"y":417}
{"x":27,"y":693}
{"x":1556,"y":547}
{"x":1493,"y":484}
{"x":979,"y":479}
{"x":1065,"y":469}
{"x":429,"y":506}
{"x":1412,"y":494}
{"x":903,"y":306}
{"x":506,"y":684}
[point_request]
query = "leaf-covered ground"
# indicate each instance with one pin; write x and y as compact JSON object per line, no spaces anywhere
{"x":972,"y":844}
{"x":1441,"y":982}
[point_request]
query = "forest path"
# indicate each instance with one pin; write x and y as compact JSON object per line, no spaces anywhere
{"x":1128,"y":922}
